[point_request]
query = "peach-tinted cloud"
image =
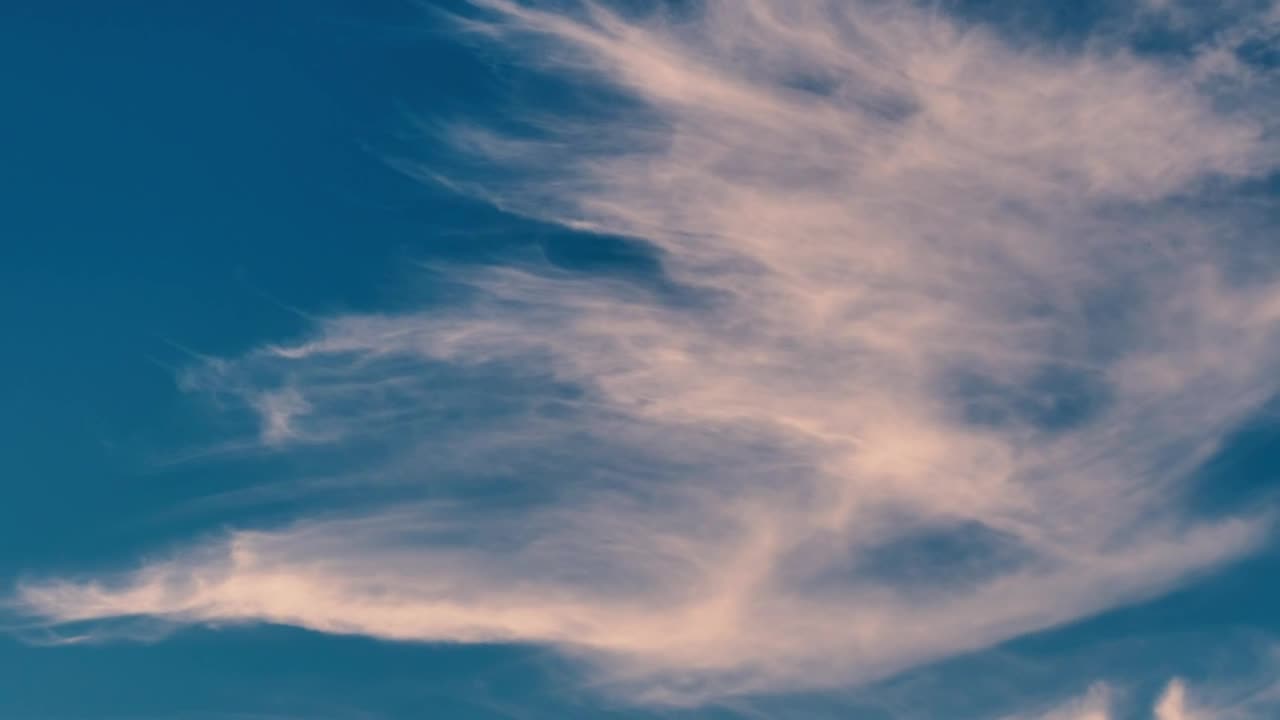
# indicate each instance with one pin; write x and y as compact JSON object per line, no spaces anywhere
{"x":954,"y":322}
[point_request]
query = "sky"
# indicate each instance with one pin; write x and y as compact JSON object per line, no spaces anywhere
{"x":682,"y":359}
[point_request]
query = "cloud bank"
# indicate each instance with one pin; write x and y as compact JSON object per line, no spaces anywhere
{"x":946,"y":322}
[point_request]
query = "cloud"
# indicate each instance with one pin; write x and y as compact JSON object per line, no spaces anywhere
{"x":944,"y":326}
{"x":1239,"y":700}
{"x":1093,"y":705}
{"x":278,"y":410}
{"x":1248,"y":696}
{"x":1172,"y":704}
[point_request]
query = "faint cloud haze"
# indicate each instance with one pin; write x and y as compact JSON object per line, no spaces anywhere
{"x":947,"y":321}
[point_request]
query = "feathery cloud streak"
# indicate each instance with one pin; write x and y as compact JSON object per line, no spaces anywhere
{"x":953,"y":321}
{"x":1175,"y":702}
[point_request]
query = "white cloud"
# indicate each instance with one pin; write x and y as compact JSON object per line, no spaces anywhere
{"x":279,"y":411}
{"x":957,"y":321}
{"x":1239,"y":700}
{"x":1172,"y":704}
{"x":1093,"y":705}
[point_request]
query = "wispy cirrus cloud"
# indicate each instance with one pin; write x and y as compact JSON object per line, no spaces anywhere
{"x":944,"y":327}
{"x":1176,"y":701}
{"x":1095,"y":704}
{"x":1239,"y":699}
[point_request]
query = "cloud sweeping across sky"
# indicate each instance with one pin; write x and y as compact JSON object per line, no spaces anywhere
{"x":945,"y":322}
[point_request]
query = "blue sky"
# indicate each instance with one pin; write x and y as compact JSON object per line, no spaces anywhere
{"x":730,"y":360}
